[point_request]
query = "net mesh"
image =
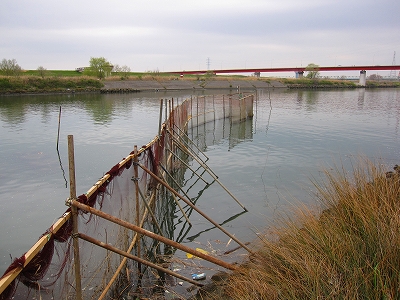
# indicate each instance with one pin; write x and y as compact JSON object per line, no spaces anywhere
{"x":129,"y":193}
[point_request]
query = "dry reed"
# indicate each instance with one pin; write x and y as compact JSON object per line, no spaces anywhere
{"x":350,"y":251}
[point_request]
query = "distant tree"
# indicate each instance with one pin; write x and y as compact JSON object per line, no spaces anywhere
{"x":116,"y":68}
{"x":374,"y":77}
{"x":122,"y":71}
{"x":41,"y":71}
{"x":313,"y":71}
{"x":154,"y":74}
{"x":209,"y":74}
{"x":9,"y":67}
{"x":99,"y":67}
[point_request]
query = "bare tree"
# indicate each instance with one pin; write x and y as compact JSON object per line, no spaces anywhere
{"x":122,"y":71}
{"x":375,"y":77}
{"x":41,"y":71}
{"x":9,"y":67}
{"x":125,"y":70}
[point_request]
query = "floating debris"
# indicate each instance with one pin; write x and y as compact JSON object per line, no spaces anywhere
{"x":188,"y":255}
{"x":200,"y":276}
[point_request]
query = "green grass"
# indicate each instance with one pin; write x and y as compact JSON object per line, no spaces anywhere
{"x":349,"y":251}
{"x":382,"y":84}
{"x":36,"y":84}
{"x":51,"y":73}
{"x":305,"y":82}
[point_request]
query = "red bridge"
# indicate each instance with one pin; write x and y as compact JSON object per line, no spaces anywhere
{"x":298,"y":70}
{"x":295,"y":69}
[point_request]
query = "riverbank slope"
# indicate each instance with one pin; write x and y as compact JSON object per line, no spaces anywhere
{"x":195,"y":85}
{"x":29,"y":84}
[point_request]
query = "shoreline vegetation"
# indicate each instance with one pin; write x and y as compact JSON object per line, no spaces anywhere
{"x":33,"y":82}
{"x":347,"y":249}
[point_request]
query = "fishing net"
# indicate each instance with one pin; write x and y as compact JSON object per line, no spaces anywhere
{"x":129,"y":191}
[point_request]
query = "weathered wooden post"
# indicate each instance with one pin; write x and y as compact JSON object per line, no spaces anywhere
{"x":136,"y":180}
{"x":74,"y":210}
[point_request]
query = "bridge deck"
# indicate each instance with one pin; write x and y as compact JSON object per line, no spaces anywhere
{"x":292,"y":69}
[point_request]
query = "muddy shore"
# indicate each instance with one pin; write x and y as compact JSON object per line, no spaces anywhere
{"x":177,"y":85}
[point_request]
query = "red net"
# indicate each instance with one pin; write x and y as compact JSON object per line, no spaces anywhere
{"x":128,"y":193}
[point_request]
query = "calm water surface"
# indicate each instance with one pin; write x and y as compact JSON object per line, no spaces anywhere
{"x":266,"y":162}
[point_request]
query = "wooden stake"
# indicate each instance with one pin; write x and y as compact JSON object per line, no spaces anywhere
{"x":72,"y":195}
{"x":190,"y":153}
{"x":173,"y":196}
{"x":123,"y":262}
{"x":138,"y":259}
{"x":136,"y":177}
{"x":160,"y":118}
{"x":195,"y":208}
{"x":181,"y":132}
{"x":183,"y":148}
{"x":152,"y":235}
{"x":187,"y":166}
{"x":150,"y":211}
{"x":58,"y":131}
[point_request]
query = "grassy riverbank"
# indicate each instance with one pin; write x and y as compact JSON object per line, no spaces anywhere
{"x":54,"y":84}
{"x":71,"y":81}
{"x":305,"y":83}
{"x":349,"y":251}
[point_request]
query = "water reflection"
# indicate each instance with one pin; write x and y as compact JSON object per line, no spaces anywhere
{"x":265,"y":163}
{"x":218,"y":131}
{"x":361,"y":96}
{"x":14,"y":109}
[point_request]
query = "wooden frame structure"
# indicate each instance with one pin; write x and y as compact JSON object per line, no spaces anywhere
{"x":171,"y":138}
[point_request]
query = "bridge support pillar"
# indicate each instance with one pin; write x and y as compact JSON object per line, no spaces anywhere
{"x":363,"y":78}
{"x":299,"y":74}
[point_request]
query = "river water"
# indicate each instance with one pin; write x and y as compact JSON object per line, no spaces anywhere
{"x":267,"y":162}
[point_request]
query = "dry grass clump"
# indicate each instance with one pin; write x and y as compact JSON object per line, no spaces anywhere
{"x":351,"y":251}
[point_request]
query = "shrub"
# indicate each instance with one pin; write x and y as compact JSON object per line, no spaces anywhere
{"x":349,"y":251}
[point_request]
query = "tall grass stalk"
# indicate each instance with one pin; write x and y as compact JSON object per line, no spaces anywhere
{"x":349,"y":251}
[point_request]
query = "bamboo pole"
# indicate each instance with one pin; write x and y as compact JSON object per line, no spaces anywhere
{"x":187,"y":166}
{"x":136,"y":176}
{"x":10,"y":276}
{"x":188,"y":152}
{"x":151,"y":234}
{"x":59,"y":124}
{"x":223,"y":104}
{"x":176,"y":201}
{"x":160,"y":118}
{"x":181,"y":132}
{"x":102,"y":180}
{"x":123,"y":262}
{"x":195,"y":208}
{"x":209,"y":172}
{"x":150,"y":211}
{"x":174,"y":197}
{"x":138,"y":259}
{"x":72,"y":195}
{"x":144,"y":148}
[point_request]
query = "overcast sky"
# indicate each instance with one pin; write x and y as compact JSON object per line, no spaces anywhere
{"x":184,"y":34}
